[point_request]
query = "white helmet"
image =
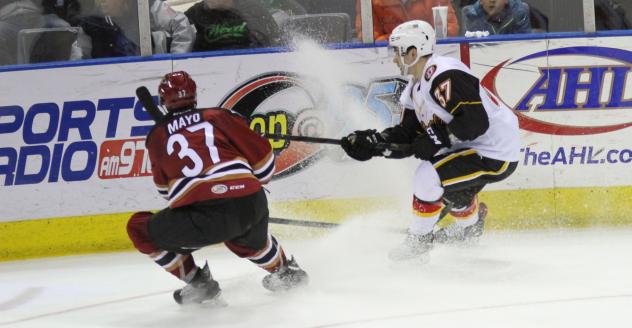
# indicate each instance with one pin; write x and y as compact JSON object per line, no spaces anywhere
{"x":415,"y":33}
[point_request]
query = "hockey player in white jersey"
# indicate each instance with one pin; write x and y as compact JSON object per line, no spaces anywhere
{"x":463,"y":135}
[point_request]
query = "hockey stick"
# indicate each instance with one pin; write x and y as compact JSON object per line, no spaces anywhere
{"x":325,"y":225}
{"x":278,"y":136}
{"x":379,"y":146}
{"x":303,"y":223}
{"x":148,"y":102}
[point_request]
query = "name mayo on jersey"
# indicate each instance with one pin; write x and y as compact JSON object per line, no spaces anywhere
{"x":208,"y":154}
{"x":183,"y":122}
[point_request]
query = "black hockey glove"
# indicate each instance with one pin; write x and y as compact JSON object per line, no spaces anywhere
{"x":426,"y":145}
{"x":361,"y":145}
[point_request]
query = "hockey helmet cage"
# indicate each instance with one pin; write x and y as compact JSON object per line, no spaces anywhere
{"x":177,"y":91}
{"x":415,"y":33}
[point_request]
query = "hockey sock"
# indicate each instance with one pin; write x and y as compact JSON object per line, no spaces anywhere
{"x":180,"y":265}
{"x":425,"y":216}
{"x":270,"y":258}
{"x":466,"y":216}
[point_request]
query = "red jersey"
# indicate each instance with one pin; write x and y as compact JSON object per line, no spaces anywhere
{"x":207,"y":154}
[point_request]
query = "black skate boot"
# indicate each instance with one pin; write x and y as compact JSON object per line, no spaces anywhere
{"x":286,"y":277}
{"x":413,"y":247}
{"x":456,"y":234}
{"x":201,"y":289}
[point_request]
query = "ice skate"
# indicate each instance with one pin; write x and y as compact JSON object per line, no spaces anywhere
{"x":454,"y":233}
{"x":202,"y":289}
{"x":288,"y":276}
{"x":414,"y":247}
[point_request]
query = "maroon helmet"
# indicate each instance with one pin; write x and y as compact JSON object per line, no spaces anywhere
{"x":177,"y":91}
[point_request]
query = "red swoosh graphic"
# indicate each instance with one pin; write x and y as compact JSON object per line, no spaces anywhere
{"x":295,"y":154}
{"x":534,"y":125}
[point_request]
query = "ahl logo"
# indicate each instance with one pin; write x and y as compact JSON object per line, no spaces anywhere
{"x":571,"y":88}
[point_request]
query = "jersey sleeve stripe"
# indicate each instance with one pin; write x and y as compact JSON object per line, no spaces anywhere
{"x":160,"y":187}
{"x":265,"y":172}
{"x":264,"y":164}
{"x":263,"y":178}
{"x":163,"y":191}
{"x":465,"y":103}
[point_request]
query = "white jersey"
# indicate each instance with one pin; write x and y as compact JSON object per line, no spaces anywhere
{"x":449,"y":91}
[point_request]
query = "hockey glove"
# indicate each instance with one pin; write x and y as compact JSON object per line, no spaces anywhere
{"x":426,"y":145}
{"x":362,"y":145}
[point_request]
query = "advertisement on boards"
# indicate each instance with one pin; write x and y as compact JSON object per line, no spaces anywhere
{"x":77,"y":148}
{"x":73,"y":143}
{"x":573,"y":99}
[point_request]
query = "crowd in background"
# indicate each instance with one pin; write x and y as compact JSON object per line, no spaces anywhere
{"x":48,"y":30}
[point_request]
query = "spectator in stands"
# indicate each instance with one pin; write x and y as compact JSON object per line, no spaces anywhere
{"x":497,"y":17}
{"x":115,"y":32}
{"x":175,"y":27}
{"x":329,"y":6}
{"x":16,"y":15}
{"x":232,"y":24}
{"x":609,"y":15}
{"x":67,"y":10}
{"x":387,"y":14}
{"x":539,"y":21}
{"x":281,"y":10}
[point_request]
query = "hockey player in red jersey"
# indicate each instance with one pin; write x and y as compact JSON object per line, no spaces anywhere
{"x":210,"y":166}
{"x":464,"y":137}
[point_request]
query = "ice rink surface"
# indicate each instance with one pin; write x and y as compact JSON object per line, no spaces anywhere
{"x":552,"y":278}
